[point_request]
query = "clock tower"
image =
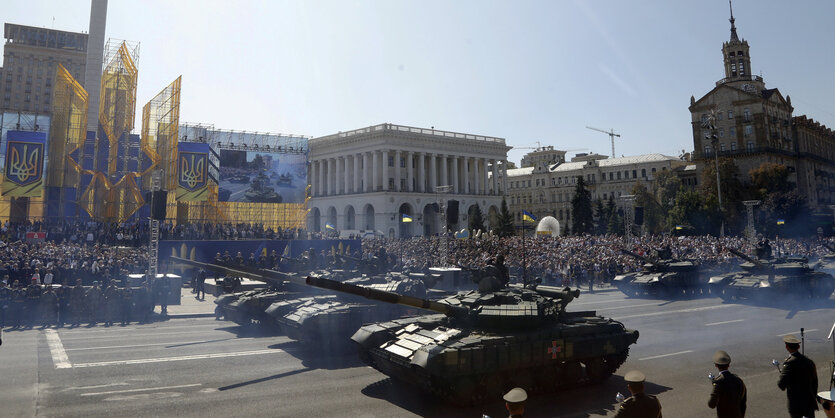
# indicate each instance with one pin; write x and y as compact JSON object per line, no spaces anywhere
{"x":738,"y":61}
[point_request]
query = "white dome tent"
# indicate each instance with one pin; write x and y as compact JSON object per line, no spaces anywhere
{"x":548,"y":226}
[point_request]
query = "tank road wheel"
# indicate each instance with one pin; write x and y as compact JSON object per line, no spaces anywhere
{"x":600,"y":368}
{"x":570,"y":373}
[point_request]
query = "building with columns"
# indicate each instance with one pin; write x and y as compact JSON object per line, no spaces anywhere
{"x":374,"y":178}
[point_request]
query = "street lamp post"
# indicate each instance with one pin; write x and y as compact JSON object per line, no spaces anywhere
{"x":628,"y":214}
{"x":714,"y":142}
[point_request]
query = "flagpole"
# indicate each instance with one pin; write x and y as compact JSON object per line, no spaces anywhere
{"x":524,"y":253}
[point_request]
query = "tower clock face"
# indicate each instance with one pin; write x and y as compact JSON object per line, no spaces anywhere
{"x":749,"y":88}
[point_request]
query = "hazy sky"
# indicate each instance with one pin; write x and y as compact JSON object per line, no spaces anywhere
{"x":526,"y":71}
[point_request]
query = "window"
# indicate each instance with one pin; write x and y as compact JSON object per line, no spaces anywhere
{"x":704,"y":118}
{"x":733,"y":70}
{"x":634,"y":174}
{"x":721,"y":132}
{"x":731,"y":54}
{"x":749,"y":130}
{"x":741,"y":68}
{"x":739,"y":53}
{"x":391,"y":161}
{"x":653,"y":170}
{"x":719,"y":116}
{"x":626,"y":174}
{"x":403,"y":162}
{"x":749,"y":146}
{"x":707,"y":149}
{"x":730,"y":114}
{"x":722,"y":147}
{"x":746,"y":115}
{"x":611,"y":176}
{"x":733,"y":146}
{"x":644,"y":172}
{"x":618,"y":175}
{"x":529,"y":183}
{"x":732,"y":132}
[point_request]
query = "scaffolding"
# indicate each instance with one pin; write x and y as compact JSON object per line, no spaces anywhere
{"x":160,"y":123}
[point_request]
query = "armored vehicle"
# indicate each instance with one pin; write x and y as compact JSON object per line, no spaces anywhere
{"x":327,"y":322}
{"x":246,"y":308}
{"x":663,"y":277}
{"x":240,"y":178}
{"x":771,"y":278}
{"x":259,"y":191}
{"x":285,"y":180}
{"x":486,"y":343}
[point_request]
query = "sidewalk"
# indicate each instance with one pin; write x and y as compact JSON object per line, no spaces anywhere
{"x":191,"y":307}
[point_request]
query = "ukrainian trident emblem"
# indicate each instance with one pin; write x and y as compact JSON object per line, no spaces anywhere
{"x":25,"y":162}
{"x":192,"y":170}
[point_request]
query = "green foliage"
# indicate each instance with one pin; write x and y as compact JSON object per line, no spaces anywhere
{"x":692,"y":209}
{"x":791,"y":208}
{"x":602,"y":217}
{"x":583,"y":220}
{"x":769,"y":178}
{"x":614,"y":224}
{"x":505,"y":226}
{"x":476,"y":221}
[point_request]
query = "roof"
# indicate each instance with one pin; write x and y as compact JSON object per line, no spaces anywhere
{"x":606,"y":163}
{"x":524,"y":171}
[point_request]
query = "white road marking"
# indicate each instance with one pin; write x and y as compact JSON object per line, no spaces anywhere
{"x":123,"y":336}
{"x":156,"y":344}
{"x":723,"y":322}
{"x":59,"y":356}
{"x":796,"y":332}
{"x":629,"y":306}
{"x":108,"y":385}
{"x":703,"y":308}
{"x":179,"y":358}
{"x":665,"y":355}
{"x":140,"y":390}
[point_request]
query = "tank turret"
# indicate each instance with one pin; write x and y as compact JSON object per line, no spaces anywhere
{"x":665,"y":277}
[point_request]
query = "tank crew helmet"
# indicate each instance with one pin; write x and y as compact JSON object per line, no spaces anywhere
{"x":721,"y":358}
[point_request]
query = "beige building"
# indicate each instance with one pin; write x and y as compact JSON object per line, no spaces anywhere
{"x":547,"y":190}
{"x":30,"y":57}
{"x":754,"y":125}
{"x":383,"y":179}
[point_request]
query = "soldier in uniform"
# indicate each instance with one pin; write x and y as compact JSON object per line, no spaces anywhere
{"x":77,"y":303}
{"x":144,"y":306}
{"x":63,"y":294}
{"x":111,"y":303}
{"x":94,"y":299}
{"x":639,"y":404}
{"x":504,"y":276}
{"x":49,"y":307}
{"x":825,"y":399}
{"x":515,"y":402}
{"x":799,"y":378}
{"x":33,"y":297}
{"x":729,"y":394}
{"x":127,"y":304}
{"x":5,"y":301}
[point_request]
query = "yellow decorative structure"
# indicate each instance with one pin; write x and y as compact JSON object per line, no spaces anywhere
{"x":117,"y":108}
{"x":67,"y":131}
{"x":160,"y":124}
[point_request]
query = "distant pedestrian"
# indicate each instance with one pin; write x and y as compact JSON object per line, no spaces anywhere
{"x":799,"y":378}
{"x":729,"y":395}
{"x":200,"y":284}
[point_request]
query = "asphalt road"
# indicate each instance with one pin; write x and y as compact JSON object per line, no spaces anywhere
{"x":203,"y":367}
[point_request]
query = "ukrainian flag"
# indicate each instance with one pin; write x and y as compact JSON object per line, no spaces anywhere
{"x":329,"y":226}
{"x":679,"y":227}
{"x":527,"y":216}
{"x":781,"y":222}
{"x":406,"y":218}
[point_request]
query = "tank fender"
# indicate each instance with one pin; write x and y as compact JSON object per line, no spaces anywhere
{"x":720,"y":278}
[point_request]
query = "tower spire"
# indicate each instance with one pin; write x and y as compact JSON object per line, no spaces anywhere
{"x":734,"y":37}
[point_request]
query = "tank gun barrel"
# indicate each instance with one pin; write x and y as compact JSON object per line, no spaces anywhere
{"x":272,"y":277}
{"x":566,"y":294}
{"x":384,"y":296}
{"x":639,"y":257}
{"x":744,"y":257}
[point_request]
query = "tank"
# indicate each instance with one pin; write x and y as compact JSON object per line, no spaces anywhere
{"x":247,"y":308}
{"x":478,"y":345}
{"x":240,"y":178}
{"x":327,"y":322}
{"x":665,"y":277}
{"x":260,"y":192}
{"x":772,"y":279}
{"x":284,"y":180}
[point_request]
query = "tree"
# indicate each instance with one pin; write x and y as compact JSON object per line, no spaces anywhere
{"x":654,"y":215}
{"x":476,"y":219}
{"x":691,"y":208}
{"x":583,"y":220}
{"x":769,"y":178}
{"x":505,"y":226}
{"x":733,"y":192}
{"x":791,"y":208}
{"x":602,"y":219}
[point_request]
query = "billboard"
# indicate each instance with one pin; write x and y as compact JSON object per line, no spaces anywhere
{"x":192,"y":172}
{"x":23,"y":171}
{"x":262,"y":177}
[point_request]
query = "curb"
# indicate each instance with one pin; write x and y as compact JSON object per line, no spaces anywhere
{"x":191,"y":315}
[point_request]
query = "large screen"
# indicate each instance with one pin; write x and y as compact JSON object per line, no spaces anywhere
{"x":262,"y":177}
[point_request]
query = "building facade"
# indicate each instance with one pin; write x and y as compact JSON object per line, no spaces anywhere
{"x":30,"y":59}
{"x":548,"y":190}
{"x":375,"y":178}
{"x":754,"y":125}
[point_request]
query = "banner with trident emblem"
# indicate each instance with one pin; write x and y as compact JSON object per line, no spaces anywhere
{"x":192,"y":172}
{"x":23,"y":173}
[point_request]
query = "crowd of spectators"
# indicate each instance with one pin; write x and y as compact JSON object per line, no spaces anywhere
{"x":575,"y":260}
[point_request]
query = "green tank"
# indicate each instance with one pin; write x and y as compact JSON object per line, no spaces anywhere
{"x":665,"y":277}
{"x":772,"y":279}
{"x":260,"y":192}
{"x":482,"y":344}
{"x":247,"y":308}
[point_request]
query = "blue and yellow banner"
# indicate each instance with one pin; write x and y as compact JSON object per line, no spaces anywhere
{"x":23,"y":173}
{"x":192,"y":172}
{"x":406,"y":218}
{"x":527,"y":216}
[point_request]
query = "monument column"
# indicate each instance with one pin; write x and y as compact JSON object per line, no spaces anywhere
{"x":444,"y":169}
{"x":475,"y":176}
{"x":455,"y":174}
{"x":410,"y":171}
{"x":484,"y":169}
{"x":375,"y":174}
{"x":495,"y":177}
{"x":397,"y":171}
{"x":466,"y":185}
{"x":385,"y":166}
{"x":421,"y":184}
{"x":433,"y":173}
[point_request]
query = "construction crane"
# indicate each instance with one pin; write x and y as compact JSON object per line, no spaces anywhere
{"x":611,"y":134}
